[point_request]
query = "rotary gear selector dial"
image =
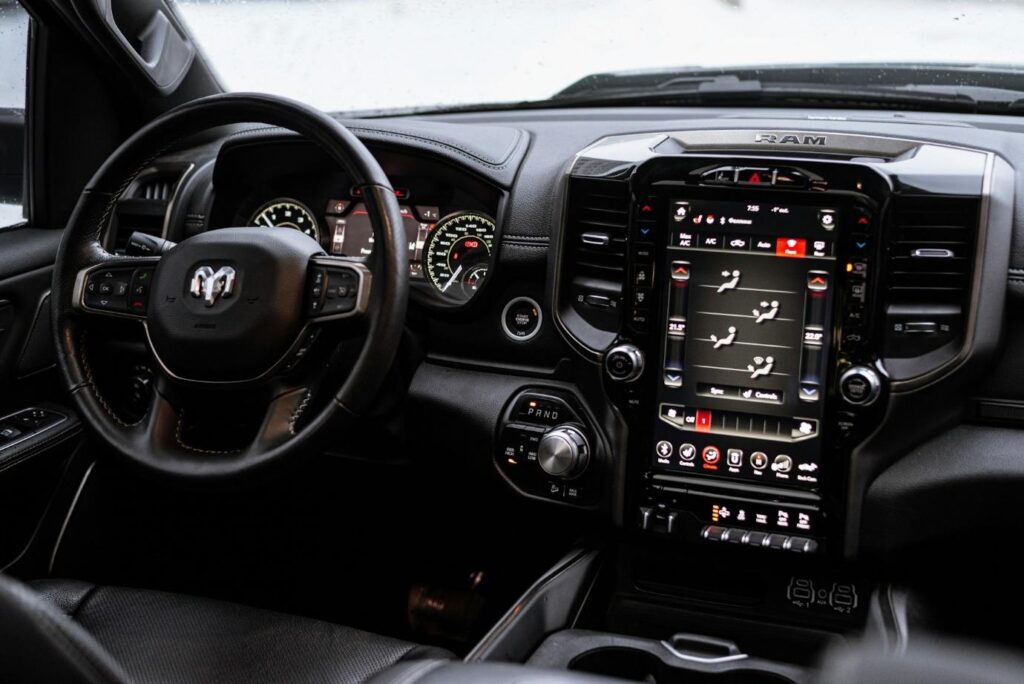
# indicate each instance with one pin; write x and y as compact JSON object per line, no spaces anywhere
{"x":564,"y":452}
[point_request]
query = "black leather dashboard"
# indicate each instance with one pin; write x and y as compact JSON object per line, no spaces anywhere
{"x":524,"y":158}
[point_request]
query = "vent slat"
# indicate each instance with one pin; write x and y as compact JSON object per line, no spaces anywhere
{"x":596,"y":209}
{"x":143,"y":209}
{"x":596,"y":264}
{"x":924,"y":231}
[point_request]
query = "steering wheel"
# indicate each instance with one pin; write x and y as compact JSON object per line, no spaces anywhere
{"x":231,"y":308}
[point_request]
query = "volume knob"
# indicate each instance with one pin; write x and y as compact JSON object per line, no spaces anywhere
{"x":564,"y":452}
{"x":624,"y":363}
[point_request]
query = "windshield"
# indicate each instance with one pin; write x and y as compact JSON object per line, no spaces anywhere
{"x":357,"y":55}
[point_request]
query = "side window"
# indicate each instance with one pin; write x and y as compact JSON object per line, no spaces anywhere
{"x":14,"y":21}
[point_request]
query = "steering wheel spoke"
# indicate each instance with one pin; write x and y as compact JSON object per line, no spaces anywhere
{"x":160,"y":429}
{"x":281,"y":418}
{"x":117,"y":286}
{"x":337,"y":288}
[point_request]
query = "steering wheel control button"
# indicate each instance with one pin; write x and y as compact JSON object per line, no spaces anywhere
{"x":624,"y":363}
{"x":108,"y":289}
{"x":139,"y":290}
{"x":340,"y":291}
{"x":521,"y":319}
{"x":317,"y":280}
{"x":860,"y":386}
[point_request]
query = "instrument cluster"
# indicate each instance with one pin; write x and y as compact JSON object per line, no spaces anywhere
{"x":450,"y":253}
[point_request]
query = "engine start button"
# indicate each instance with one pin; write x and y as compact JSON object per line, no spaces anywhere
{"x":521,"y":319}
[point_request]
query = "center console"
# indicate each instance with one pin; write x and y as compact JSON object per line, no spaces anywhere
{"x":750,"y":289}
{"x":755,"y":309}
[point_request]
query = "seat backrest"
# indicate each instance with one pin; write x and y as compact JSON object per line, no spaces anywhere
{"x":928,"y":660}
{"x":38,"y":643}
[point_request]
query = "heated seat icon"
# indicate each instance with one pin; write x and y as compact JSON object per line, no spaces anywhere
{"x":767,"y":312}
{"x":733,"y":280}
{"x":726,"y":340}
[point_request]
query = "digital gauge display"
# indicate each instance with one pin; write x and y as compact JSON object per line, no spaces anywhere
{"x":457,"y":254}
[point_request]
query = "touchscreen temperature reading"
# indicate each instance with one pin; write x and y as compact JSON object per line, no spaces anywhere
{"x":746,"y":338}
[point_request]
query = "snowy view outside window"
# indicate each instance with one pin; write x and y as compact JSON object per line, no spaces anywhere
{"x":379,"y":54}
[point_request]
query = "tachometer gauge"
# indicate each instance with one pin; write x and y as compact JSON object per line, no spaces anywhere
{"x":457,"y":253}
{"x":287,"y":213}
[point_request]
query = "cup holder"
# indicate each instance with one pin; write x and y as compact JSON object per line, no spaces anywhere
{"x":640,"y":666}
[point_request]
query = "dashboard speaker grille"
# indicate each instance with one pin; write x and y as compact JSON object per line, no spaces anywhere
{"x":595,"y":249}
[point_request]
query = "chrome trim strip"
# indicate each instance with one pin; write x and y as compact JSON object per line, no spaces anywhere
{"x":709,"y":660}
{"x":971,"y":323}
{"x":175,"y":196}
{"x":504,"y":324}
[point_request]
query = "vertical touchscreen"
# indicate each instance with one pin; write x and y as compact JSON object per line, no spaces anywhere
{"x":746,"y":335}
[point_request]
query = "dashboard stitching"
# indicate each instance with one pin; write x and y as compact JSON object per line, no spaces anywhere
{"x":525,"y":238}
{"x":437,"y":143}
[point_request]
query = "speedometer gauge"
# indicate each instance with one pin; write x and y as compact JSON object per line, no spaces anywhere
{"x":457,"y":253}
{"x":287,"y":213}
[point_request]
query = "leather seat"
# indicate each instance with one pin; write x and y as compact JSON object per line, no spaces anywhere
{"x":69,"y":631}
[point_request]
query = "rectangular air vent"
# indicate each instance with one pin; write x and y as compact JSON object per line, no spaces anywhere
{"x":930,"y":257}
{"x":143,"y":206}
{"x":595,"y":249}
{"x":931,"y":246}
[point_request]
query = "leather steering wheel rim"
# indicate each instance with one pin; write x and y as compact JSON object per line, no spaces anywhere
{"x":147,"y":443}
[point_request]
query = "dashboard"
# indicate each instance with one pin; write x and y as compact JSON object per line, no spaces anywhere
{"x":702,"y":328}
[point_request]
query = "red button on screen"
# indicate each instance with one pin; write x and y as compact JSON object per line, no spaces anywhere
{"x":790,"y":247}
{"x":703,"y":421}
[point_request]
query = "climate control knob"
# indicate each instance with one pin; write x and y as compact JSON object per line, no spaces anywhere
{"x":624,"y":363}
{"x":564,"y":452}
{"x":860,"y":385}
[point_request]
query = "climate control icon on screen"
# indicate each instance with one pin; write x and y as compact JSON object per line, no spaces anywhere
{"x":767,"y":312}
{"x":725,"y":340}
{"x":732,"y":280}
{"x":762,"y":365}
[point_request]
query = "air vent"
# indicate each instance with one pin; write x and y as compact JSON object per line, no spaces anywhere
{"x":143,"y":206}
{"x":595,"y":249}
{"x":930,"y":249}
{"x":156,"y":188}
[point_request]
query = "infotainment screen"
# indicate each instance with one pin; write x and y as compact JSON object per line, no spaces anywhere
{"x":746,"y":333}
